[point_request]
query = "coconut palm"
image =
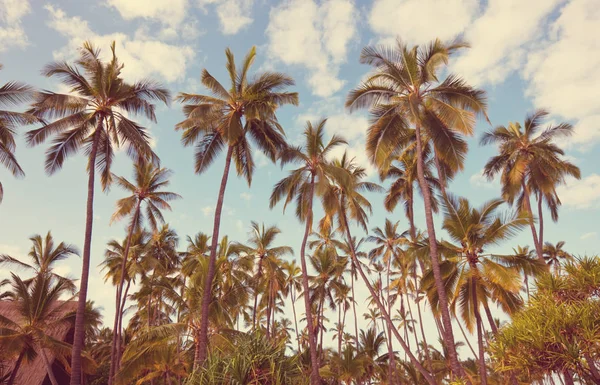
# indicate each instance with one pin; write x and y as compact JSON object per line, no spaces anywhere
{"x":555,"y":255}
{"x":530,"y":161}
{"x":40,"y":311}
{"x":228,"y":119}
{"x":405,"y":91}
{"x":294,"y":288}
{"x":303,"y":183}
{"x":260,"y":247}
{"x":44,"y":254}
{"x":93,"y":118}
{"x":474,"y":278}
{"x":150,"y":180}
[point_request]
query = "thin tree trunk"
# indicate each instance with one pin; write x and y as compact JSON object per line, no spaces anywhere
{"x":293,"y":298}
{"x":340,"y":328}
{"x":426,"y":375}
{"x":118,"y":312}
{"x":48,"y":367}
{"x":315,"y":378}
{"x":593,"y":368}
{"x":536,"y":242}
{"x":207,"y":294}
{"x":441,"y":174}
{"x":79,"y":334}
{"x":425,"y":344}
{"x":488,"y":313}
{"x":541,"y":220}
{"x":462,"y":330}
{"x":120,"y":327}
{"x":568,"y":377}
{"x":258,"y":275}
{"x":391,"y":358}
{"x":435,"y":264}
{"x":482,"y":368}
{"x":410,"y":312}
{"x":411,"y":219}
{"x":13,"y":373}
{"x":352,"y":273}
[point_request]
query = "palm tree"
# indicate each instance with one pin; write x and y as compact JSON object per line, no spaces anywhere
{"x":472,"y":277}
{"x":404,"y":90}
{"x":260,"y":248}
{"x":44,"y":254}
{"x":93,"y":119}
{"x":12,"y":94}
{"x":226,"y":119}
{"x":530,"y":162}
{"x":40,"y":311}
{"x":149,"y":182}
{"x":294,"y":288}
{"x":555,"y":256}
{"x":303,"y":183}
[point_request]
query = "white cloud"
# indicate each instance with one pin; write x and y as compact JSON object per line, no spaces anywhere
{"x":233,"y":14}
{"x":12,"y":33}
{"x":581,"y":194}
{"x":170,"y":12}
{"x":500,"y":38}
{"x":590,"y":235}
{"x":246,"y":196}
{"x":142,"y":56}
{"x":479,"y":180}
{"x":563,"y":70}
{"x":208,"y":211}
{"x":302,"y":32}
{"x":420,"y":21}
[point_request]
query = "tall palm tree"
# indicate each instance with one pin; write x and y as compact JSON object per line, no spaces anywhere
{"x":12,"y":94}
{"x":303,"y":183}
{"x":150,"y":180}
{"x":530,"y":162}
{"x":44,"y":254}
{"x":555,"y":255}
{"x":40,"y":310}
{"x":472,"y":277}
{"x":93,"y":119}
{"x":404,"y":90}
{"x":260,"y":247}
{"x":294,"y":288}
{"x":228,"y":119}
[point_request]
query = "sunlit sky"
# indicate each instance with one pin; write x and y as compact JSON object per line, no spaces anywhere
{"x":525,"y":54}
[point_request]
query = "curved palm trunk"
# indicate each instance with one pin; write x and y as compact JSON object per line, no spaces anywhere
{"x":536,"y":241}
{"x":426,"y":375}
{"x":435,"y":263}
{"x":116,"y":343}
{"x":315,"y":378}
{"x":541,"y":219}
{"x":482,"y":368}
{"x":48,"y":367}
{"x":207,"y":296}
{"x":490,"y":318}
{"x":13,"y":373}
{"x":79,"y":334}
{"x":120,"y":328}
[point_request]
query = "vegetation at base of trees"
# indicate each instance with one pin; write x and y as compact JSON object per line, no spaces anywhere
{"x":214,"y":310}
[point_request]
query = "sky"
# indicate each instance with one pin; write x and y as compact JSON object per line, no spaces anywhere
{"x":524,"y":54}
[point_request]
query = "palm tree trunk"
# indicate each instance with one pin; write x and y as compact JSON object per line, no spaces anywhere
{"x":118,"y":312}
{"x":391,"y":358}
{"x":340,"y":328}
{"x":315,"y":378}
{"x":536,"y":242}
{"x":258,"y":275}
{"x":13,"y":373}
{"x":48,"y":367}
{"x":482,"y":368}
{"x":207,"y":294}
{"x":462,"y":330}
{"x":593,"y":368}
{"x":441,"y":174}
{"x":426,"y":375}
{"x":425,"y":344}
{"x":435,"y":263}
{"x":411,"y":219}
{"x":292,"y":297}
{"x":568,"y":377}
{"x":488,"y":314}
{"x":352,"y":273}
{"x":541,"y":220}
{"x":79,"y":334}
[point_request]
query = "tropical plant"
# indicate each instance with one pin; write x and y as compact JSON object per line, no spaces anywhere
{"x":530,"y":162}
{"x":405,"y":91}
{"x":303,"y":183}
{"x":93,"y":118}
{"x":555,"y":255}
{"x":149,"y":182}
{"x":228,"y":119}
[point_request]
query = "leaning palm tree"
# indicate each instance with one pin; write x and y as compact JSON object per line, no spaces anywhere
{"x":474,"y":278}
{"x":11,"y":95}
{"x":40,"y":311}
{"x":405,"y":91}
{"x":150,"y":180}
{"x":228,"y":119}
{"x":303,"y":183}
{"x":93,"y":119}
{"x":260,"y":247}
{"x":44,"y":254}
{"x":530,"y":162}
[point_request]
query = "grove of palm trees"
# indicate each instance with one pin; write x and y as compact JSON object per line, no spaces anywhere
{"x":436,"y":291}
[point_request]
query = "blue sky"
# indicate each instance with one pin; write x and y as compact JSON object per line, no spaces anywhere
{"x":526,"y":55}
